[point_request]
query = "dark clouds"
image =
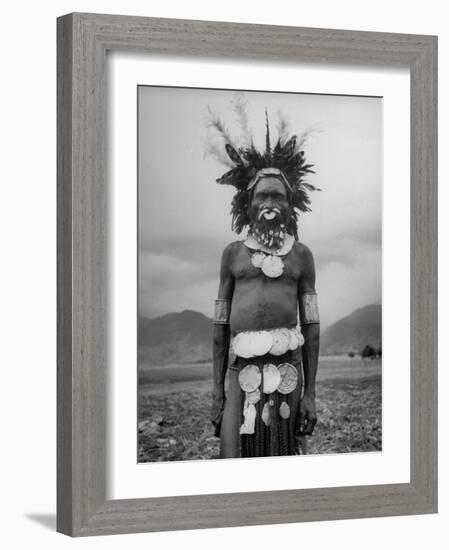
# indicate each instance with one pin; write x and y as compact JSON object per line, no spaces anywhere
{"x":347,"y":249}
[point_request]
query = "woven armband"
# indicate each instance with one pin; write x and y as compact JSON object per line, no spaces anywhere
{"x":308,"y":309}
{"x":222,"y":312}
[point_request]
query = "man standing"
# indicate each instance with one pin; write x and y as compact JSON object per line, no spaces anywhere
{"x":266,"y":325}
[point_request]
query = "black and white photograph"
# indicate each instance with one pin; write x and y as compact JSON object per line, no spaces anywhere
{"x":259,"y":274}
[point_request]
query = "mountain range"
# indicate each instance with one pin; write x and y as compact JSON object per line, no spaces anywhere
{"x":186,"y":337}
{"x":352,"y":333}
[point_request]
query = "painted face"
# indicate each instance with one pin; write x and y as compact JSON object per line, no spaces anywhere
{"x":269,"y":211}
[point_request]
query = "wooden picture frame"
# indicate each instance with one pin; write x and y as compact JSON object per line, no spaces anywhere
{"x":83,"y":40}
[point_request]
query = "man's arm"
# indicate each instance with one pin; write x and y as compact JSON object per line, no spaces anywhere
{"x":222,"y":337}
{"x":310,"y":328}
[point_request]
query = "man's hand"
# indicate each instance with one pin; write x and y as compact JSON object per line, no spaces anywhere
{"x":307,"y":416}
{"x":216,"y":413}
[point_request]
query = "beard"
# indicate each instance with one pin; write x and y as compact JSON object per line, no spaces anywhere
{"x":268,"y":226}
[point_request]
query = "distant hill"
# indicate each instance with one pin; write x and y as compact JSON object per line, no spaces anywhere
{"x":184,"y":337}
{"x":354,"y":332}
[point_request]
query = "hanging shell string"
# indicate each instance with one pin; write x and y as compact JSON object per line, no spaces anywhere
{"x":273,"y":426}
{"x":283,"y":432}
{"x":262,"y":400}
{"x":279,"y":421}
{"x":259,"y":423}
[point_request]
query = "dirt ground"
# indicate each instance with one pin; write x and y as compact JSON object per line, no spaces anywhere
{"x":173,"y":418}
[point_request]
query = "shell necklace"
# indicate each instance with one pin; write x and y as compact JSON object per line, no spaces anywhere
{"x":266,"y":259}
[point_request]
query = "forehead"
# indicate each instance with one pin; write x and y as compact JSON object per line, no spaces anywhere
{"x":270,"y":185}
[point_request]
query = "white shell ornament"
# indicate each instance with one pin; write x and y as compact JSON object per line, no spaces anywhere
{"x":284,"y":410}
{"x":259,"y":343}
{"x":266,"y":414}
{"x":273,"y":266}
{"x":271,"y":378}
{"x":250,"y":378}
{"x":289,"y":378}
{"x":281,"y":341}
{"x":249,"y":415}
{"x":253,"y":396}
{"x":294,"y":340}
{"x":241,"y":346}
{"x":300,"y":336}
{"x":235,"y":343}
{"x":257,"y":258}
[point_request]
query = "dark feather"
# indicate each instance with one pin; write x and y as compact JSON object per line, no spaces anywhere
{"x":233,"y":155}
{"x":289,"y":146}
{"x":267,"y":138}
{"x":309,"y":187}
{"x":227,"y":178}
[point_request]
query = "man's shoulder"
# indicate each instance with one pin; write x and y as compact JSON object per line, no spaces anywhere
{"x":302,"y":250}
{"x":232,"y":248}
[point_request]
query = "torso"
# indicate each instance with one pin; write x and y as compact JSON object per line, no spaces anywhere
{"x":260,"y":302}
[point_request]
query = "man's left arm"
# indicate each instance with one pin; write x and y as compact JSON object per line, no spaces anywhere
{"x":310,"y":328}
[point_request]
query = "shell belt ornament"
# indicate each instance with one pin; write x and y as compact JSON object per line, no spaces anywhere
{"x":282,"y":378}
{"x":276,"y":341}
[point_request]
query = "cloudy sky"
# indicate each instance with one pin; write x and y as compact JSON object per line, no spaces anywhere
{"x":184,"y":220}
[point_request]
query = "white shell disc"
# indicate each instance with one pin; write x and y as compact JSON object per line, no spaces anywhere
{"x":266,"y":414}
{"x":250,"y":378}
{"x":281,"y":340}
{"x":284,"y":410}
{"x":300,"y":336}
{"x":273,"y":266}
{"x":253,"y":396}
{"x":235,"y":343}
{"x":293,"y":340}
{"x":241,"y":345}
{"x":271,"y":378}
{"x":260,"y":342}
{"x":257,"y":258}
{"x":289,"y":378}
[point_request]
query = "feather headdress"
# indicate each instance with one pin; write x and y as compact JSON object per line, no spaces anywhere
{"x":248,"y":165}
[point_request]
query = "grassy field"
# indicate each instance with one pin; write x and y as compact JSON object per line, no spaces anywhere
{"x":174,"y":403}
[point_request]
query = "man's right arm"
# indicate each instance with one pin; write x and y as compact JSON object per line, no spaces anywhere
{"x":222,"y":337}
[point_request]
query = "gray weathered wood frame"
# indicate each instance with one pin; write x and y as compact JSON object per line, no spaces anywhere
{"x":83,"y":40}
